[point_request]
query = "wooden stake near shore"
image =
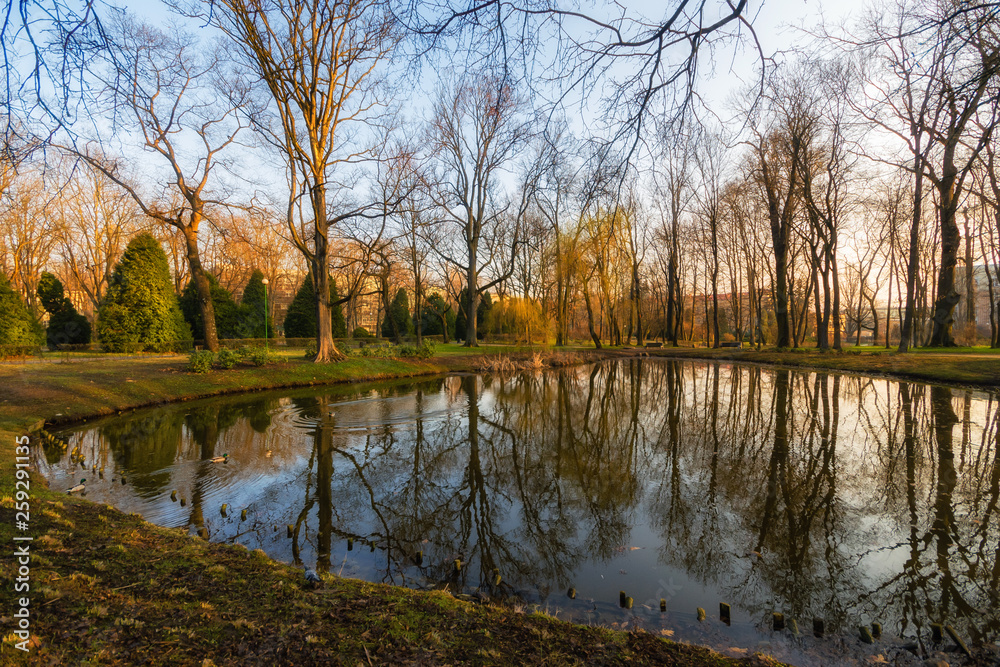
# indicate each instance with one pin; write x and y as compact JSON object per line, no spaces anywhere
{"x":958,"y":640}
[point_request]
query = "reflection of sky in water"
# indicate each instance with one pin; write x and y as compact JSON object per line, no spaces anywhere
{"x":664,"y":479}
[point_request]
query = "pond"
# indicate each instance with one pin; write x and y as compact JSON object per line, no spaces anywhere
{"x":844,"y":498}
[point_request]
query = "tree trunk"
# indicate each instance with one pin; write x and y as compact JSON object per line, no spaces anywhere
{"x":326,"y":351}
{"x":417,"y":310}
{"x":638,"y":305}
{"x":203,"y":287}
{"x":472,"y":307}
{"x":913,"y":262}
{"x":947,"y":294}
{"x":778,"y":240}
{"x":970,"y":285}
{"x":590,"y":318}
{"x":837,"y":321}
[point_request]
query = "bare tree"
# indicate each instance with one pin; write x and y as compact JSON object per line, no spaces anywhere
{"x":94,"y":221}
{"x":318,"y":62}
{"x":476,"y":130}
{"x":162,"y":86}
{"x":781,"y":129}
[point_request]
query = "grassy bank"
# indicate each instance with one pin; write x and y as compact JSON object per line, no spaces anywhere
{"x":109,"y":588}
{"x":964,"y":366}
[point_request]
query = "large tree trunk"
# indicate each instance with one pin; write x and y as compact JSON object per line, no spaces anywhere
{"x":715,"y":283}
{"x":201,"y":283}
{"x":560,"y":290}
{"x":779,"y":242}
{"x":472,"y":307}
{"x":837,"y":321}
{"x":637,"y":296}
{"x":913,"y":261}
{"x":418,"y":311}
{"x":326,"y":351}
{"x":590,"y":317}
{"x":947,"y":294}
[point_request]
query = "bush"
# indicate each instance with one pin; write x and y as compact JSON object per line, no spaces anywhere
{"x":310,"y":350}
{"x":227,"y":359}
{"x":257,"y":356}
{"x":342,"y":347}
{"x":379,"y":351}
{"x":361,"y":332}
{"x":200,"y":361}
{"x":423,"y":351}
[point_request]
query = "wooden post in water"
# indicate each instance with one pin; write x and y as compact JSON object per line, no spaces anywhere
{"x":725,"y":613}
{"x":571,"y":593}
{"x":777,"y":621}
{"x":701,"y":614}
{"x":818,"y":627}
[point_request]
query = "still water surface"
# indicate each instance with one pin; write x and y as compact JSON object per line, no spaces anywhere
{"x":818,"y":495}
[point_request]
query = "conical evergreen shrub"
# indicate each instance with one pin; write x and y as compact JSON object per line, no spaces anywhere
{"x":140,"y":310}
{"x":66,"y":326}
{"x":17,"y":325}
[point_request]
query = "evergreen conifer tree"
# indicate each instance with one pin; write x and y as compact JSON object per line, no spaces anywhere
{"x":66,"y":326}
{"x":300,"y":320}
{"x":399,"y":314}
{"x":228,"y":318}
{"x":253,"y":307}
{"x":140,"y":309}
{"x":17,"y":326}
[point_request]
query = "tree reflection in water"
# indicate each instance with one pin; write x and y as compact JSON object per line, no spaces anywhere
{"x":840,"y":497}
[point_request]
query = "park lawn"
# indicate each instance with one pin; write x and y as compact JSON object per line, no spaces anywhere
{"x":979,"y":366}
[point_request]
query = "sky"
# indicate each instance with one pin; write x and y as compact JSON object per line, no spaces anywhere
{"x":780,"y":26}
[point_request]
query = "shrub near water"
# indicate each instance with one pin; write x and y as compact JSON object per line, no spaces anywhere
{"x":200,"y":361}
{"x":227,"y":359}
